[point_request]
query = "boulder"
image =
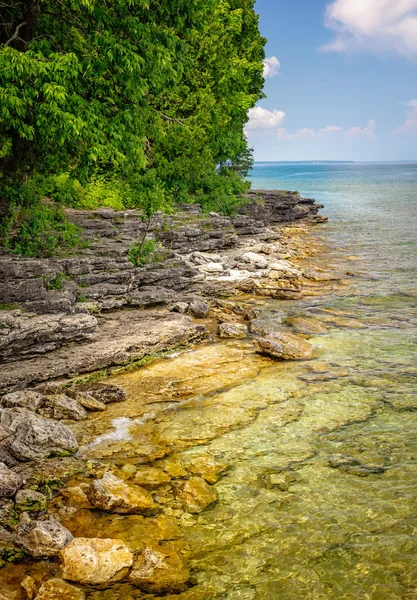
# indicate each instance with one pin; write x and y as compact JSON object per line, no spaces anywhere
{"x":285,"y":346}
{"x":10,"y":482}
{"x":8,"y":515}
{"x":159,"y":571}
{"x":6,"y":458}
{"x":195,"y":495}
{"x":96,"y":561}
{"x":103,"y":392}
{"x":212,"y":267}
{"x":283,"y":268}
{"x":30,"y":501}
{"x":58,"y":589}
{"x":199,"y":309}
{"x":257,"y":260}
{"x":9,"y":552}
{"x":88,"y":401}
{"x":62,"y":406}
{"x":33,"y":437}
{"x":42,"y":538}
{"x":23,"y":399}
{"x":113,"y":494}
{"x":233,"y":330}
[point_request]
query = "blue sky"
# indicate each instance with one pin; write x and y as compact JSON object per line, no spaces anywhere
{"x":341,"y":82}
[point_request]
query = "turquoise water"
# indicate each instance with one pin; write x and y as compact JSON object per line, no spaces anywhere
{"x":372,"y":209}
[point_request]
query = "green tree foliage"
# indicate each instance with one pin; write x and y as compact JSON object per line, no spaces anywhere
{"x":152,"y":94}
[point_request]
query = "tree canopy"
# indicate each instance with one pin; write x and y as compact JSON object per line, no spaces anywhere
{"x":155,"y":94}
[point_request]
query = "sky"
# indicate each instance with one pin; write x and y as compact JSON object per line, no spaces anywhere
{"x":340,"y":81}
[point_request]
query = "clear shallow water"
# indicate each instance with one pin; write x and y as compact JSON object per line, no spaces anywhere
{"x":319,"y":497}
{"x":372,"y":209}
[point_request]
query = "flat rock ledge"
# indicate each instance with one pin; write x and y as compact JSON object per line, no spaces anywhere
{"x":123,"y":337}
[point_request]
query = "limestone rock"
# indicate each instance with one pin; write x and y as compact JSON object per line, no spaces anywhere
{"x":257,"y":260}
{"x":212,"y":267}
{"x":29,"y":585}
{"x":9,"y":552}
{"x":57,"y":589}
{"x":77,"y":496}
{"x":159,"y":571}
{"x":32,"y":437}
{"x":23,"y":399}
{"x":42,"y":538}
{"x":6,"y":458}
{"x":195,"y":495}
{"x":285,"y":346}
{"x":207,"y":468}
{"x":88,"y":401}
{"x":233,"y":330}
{"x":151,"y":477}
{"x":48,"y":476}
{"x":180,"y":307}
{"x":199,"y":309}
{"x":95,"y":561}
{"x":10,"y":482}
{"x":113,"y":494}
{"x":103,"y":392}
{"x":62,"y":406}
{"x":8,"y":515}
{"x":307,"y":325}
{"x":30,"y":501}
{"x":282,"y":268}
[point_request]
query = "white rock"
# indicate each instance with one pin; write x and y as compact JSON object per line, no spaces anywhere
{"x":212,"y":268}
{"x":257,"y":260}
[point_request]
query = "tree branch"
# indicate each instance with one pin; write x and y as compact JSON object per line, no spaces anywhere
{"x":16,"y":33}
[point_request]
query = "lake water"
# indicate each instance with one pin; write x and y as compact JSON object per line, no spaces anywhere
{"x":319,"y":499}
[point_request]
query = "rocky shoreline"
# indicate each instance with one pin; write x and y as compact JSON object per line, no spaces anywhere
{"x":108,"y":315}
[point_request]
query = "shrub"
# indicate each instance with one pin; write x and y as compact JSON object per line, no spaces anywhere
{"x":144,"y":252}
{"x":41,"y":231}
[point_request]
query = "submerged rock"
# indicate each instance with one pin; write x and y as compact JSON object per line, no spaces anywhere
{"x":58,"y":589}
{"x":159,"y":571}
{"x":113,"y":494}
{"x":195,"y":495}
{"x":285,"y":346}
{"x":151,"y":477}
{"x":95,"y":561}
{"x":42,"y":538}
{"x":307,"y":325}
{"x":32,"y":437}
{"x":207,"y":468}
{"x":10,"y":482}
{"x":233,"y":330}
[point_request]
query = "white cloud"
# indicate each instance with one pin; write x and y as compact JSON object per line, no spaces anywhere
{"x":410,"y":124}
{"x":271,"y":67}
{"x":367,"y":132}
{"x":261,"y":118}
{"x":373,"y":25}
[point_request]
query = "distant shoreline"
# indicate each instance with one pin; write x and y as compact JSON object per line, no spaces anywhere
{"x":335,"y":162}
